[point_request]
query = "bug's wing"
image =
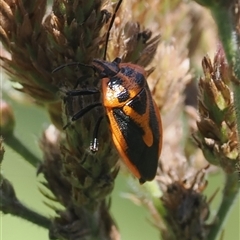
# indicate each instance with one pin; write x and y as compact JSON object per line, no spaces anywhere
{"x":132,"y":129}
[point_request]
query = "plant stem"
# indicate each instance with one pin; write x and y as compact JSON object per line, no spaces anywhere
{"x":230,"y":194}
{"x":28,"y":214}
{"x":10,"y":204}
{"x":18,"y":146}
{"x":228,"y":36}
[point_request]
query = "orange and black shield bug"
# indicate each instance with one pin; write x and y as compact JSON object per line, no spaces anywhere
{"x":134,"y":118}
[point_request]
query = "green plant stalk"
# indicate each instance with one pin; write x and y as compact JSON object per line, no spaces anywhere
{"x":228,"y":37}
{"x":26,"y":213}
{"x":22,"y":150}
{"x":10,"y":204}
{"x":230,"y":194}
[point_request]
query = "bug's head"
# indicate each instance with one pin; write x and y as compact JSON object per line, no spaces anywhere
{"x":105,"y":68}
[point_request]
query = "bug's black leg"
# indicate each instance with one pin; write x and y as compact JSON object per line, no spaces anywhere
{"x":94,"y":142}
{"x":81,"y":113}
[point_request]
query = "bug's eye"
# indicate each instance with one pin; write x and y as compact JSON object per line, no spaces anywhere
{"x":127,"y":71}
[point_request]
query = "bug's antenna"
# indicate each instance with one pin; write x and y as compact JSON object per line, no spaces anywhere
{"x":63,"y":66}
{"x":71,"y":64}
{"x":109,"y":28}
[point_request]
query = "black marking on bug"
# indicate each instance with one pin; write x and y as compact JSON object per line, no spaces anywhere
{"x":139,"y":78}
{"x":116,"y":84}
{"x":139,"y":102}
{"x":123,"y":96}
{"x":143,"y":157}
{"x":115,"y":81}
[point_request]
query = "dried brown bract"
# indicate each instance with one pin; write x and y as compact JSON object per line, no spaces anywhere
{"x":187,"y":209}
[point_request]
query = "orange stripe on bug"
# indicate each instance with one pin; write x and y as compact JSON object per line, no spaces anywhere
{"x":134,"y":118}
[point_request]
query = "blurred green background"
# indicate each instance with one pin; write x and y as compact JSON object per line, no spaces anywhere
{"x":133,"y":221}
